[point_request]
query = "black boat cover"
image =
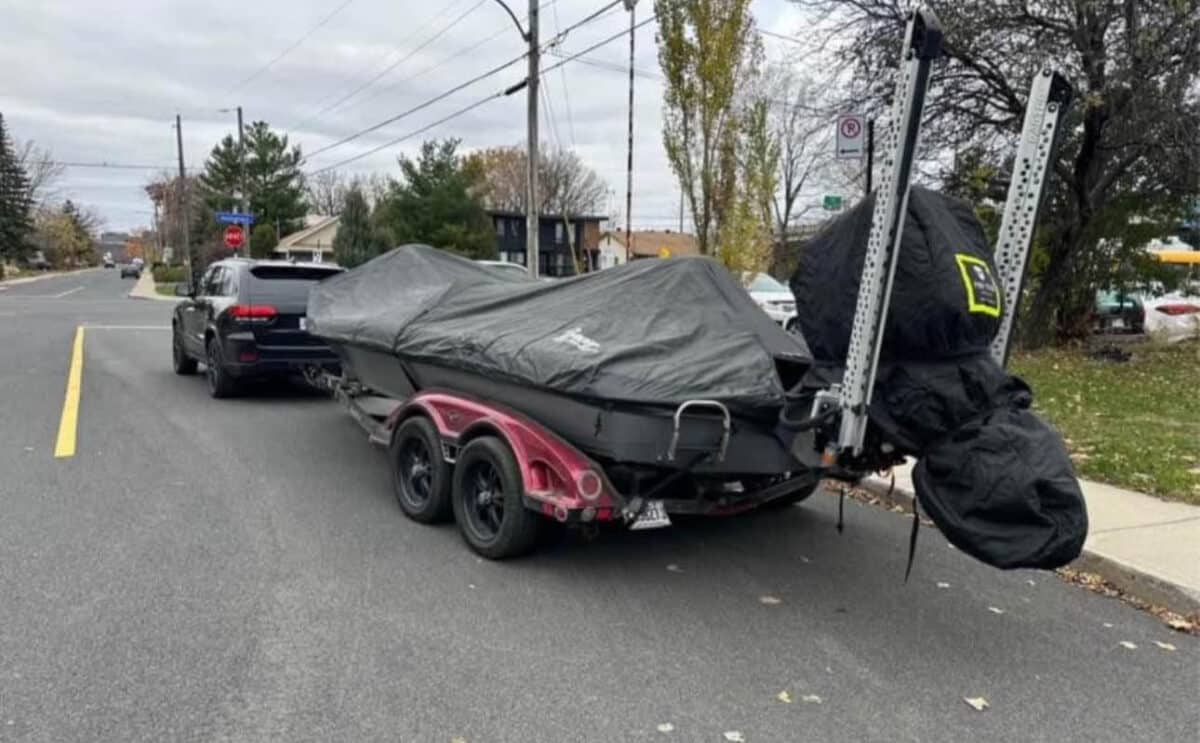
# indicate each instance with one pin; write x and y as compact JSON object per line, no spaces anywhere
{"x":993,"y":476}
{"x":650,"y":332}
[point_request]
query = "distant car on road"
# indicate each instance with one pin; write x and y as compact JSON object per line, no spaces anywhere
{"x":131,"y":270}
{"x":774,"y":298}
{"x":108,"y":261}
{"x":247,"y":320}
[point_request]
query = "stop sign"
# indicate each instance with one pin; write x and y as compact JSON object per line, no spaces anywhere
{"x":235,"y":237}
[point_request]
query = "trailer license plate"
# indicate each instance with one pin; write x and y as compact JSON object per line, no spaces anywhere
{"x":303,"y":322}
{"x":653,"y":516}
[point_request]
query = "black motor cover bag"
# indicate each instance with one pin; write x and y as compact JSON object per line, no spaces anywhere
{"x":993,"y":476}
{"x":945,"y":301}
{"x":1002,"y":490}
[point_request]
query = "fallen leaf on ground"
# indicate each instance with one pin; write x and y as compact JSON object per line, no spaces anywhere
{"x":810,"y":699}
{"x":1108,"y":625}
{"x":458,"y":740}
{"x":1031,"y":581}
{"x":995,"y":610}
{"x":666,"y":727}
{"x":1182,"y":625}
{"x":1128,"y":645}
{"x":943,"y":584}
{"x":804,"y":559}
{"x":1165,"y":645}
{"x":733,"y":736}
{"x":673,"y":568}
{"x":979,"y":703}
{"x":784,"y":697}
{"x":770,"y":600}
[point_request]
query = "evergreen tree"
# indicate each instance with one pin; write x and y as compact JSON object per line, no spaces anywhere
{"x":15,"y":219}
{"x":356,"y":241}
{"x":435,"y":203}
{"x":273,"y":182}
{"x":262,"y":241}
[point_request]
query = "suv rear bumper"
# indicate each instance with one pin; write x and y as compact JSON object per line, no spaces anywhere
{"x":245,"y":358}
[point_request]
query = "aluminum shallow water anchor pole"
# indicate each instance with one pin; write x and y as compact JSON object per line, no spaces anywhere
{"x":922,"y":44}
{"x":1049,"y":97}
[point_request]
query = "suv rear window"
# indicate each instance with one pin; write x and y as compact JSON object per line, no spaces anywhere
{"x":269,"y":284}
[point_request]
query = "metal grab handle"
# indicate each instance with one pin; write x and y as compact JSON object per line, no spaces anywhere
{"x":726,"y":425}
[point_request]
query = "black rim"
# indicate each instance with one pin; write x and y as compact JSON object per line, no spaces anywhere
{"x":416,"y":471}
{"x":483,"y":496}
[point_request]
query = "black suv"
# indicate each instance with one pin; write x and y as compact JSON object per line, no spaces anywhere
{"x":247,"y":320}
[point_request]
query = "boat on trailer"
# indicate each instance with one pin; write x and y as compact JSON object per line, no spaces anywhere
{"x":659,"y":387}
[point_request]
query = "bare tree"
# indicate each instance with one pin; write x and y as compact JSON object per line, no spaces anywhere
{"x":41,"y":169}
{"x":803,"y":131}
{"x":326,"y":192}
{"x":565,"y":184}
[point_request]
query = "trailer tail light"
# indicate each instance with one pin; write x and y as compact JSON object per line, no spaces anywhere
{"x":589,"y":484}
{"x":252,"y":312}
{"x":248,"y":356}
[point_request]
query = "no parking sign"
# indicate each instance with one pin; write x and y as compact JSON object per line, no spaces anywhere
{"x":850,"y":136}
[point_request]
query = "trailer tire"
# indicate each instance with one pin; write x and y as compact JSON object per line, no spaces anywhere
{"x":791,"y":499}
{"x":488,"y":502}
{"x":420,"y":476}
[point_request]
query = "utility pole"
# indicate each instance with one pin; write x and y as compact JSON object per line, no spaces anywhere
{"x":629,"y":5}
{"x":242,"y":202}
{"x":681,"y":211}
{"x":184,"y":211}
{"x":531,"y":191}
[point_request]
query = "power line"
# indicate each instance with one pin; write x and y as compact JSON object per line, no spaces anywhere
{"x":368,"y":63}
{"x":597,"y":45}
{"x":109,"y":165}
{"x":291,"y":48}
{"x":382,"y":73}
{"x":418,"y":107}
{"x":774,"y":35}
{"x":410,"y":135}
{"x":562,"y":76}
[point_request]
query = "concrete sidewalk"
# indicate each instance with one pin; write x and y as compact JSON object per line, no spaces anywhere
{"x":146,"y":288}
{"x":1145,"y":546}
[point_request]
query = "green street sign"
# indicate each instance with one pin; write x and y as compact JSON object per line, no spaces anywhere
{"x":832,"y":203}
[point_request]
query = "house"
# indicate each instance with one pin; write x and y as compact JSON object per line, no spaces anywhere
{"x":554,"y":250}
{"x":313,"y":243}
{"x":645,"y":244}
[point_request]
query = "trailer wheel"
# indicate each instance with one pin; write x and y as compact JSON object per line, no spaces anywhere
{"x":420,"y":476}
{"x":791,"y":499}
{"x":487,"y":501}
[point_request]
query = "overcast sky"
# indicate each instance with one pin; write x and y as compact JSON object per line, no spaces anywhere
{"x":102,"y":82}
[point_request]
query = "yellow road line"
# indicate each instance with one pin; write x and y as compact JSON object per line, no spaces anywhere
{"x":69,"y":423}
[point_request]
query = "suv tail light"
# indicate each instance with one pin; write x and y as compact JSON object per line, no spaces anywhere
{"x":252,"y":312}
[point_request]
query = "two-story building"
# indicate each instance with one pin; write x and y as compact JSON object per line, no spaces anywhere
{"x":554,"y":249}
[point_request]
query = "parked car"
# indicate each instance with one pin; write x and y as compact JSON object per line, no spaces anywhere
{"x":247,"y":320}
{"x":773,"y":297}
{"x":131,"y":270}
{"x":1118,"y":312}
{"x":38,"y":261}
{"x":506,"y":266}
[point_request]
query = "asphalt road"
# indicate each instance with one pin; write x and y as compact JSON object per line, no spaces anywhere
{"x":238,"y":570}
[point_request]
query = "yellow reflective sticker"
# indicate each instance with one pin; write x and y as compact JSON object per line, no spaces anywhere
{"x":983,"y":296}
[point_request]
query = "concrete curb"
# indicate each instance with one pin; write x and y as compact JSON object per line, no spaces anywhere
{"x":42,"y":276}
{"x":146,"y":288}
{"x":1128,"y":578}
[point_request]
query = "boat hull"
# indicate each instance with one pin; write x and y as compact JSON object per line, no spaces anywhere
{"x":614,"y":432}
